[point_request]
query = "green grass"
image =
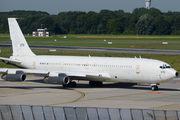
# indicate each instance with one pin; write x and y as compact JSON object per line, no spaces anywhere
{"x":170,"y":46}
{"x":112,"y":38}
{"x":4,"y":34}
{"x":112,"y":35}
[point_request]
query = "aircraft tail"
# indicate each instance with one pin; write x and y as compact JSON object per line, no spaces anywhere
{"x":19,"y":44}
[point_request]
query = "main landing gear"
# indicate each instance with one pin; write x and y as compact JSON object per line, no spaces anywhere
{"x":95,"y":84}
{"x":91,"y":84}
{"x":70,"y":84}
{"x":154,"y":87}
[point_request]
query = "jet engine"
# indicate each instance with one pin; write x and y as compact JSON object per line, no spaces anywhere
{"x":18,"y":76}
{"x":62,"y":79}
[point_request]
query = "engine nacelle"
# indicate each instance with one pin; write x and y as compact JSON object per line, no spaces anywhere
{"x":19,"y":76}
{"x":62,"y":79}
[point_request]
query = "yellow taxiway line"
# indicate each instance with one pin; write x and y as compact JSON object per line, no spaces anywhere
{"x":82,"y":95}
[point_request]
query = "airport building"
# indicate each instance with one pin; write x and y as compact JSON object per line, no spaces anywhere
{"x":41,"y":32}
{"x":148,"y":4}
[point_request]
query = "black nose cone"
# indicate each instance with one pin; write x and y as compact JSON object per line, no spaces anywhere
{"x":176,"y":74}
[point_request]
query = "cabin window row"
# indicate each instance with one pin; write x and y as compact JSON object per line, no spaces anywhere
{"x":86,"y":65}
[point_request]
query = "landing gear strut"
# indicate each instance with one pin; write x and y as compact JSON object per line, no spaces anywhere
{"x":70,"y":84}
{"x":154,"y":87}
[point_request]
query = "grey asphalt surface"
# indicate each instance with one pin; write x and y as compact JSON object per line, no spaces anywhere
{"x":111,"y":95}
{"x":127,"y":50}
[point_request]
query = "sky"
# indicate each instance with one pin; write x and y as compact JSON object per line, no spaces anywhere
{"x":56,"y":6}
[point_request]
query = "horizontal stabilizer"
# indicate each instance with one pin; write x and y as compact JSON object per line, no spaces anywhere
{"x":10,"y":60}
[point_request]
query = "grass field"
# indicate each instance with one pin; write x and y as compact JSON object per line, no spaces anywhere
{"x":173,"y":60}
{"x":102,"y":41}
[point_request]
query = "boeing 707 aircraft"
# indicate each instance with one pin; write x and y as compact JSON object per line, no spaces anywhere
{"x":64,"y":70}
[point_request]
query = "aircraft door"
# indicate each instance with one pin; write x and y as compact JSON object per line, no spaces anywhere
{"x":138,"y":69}
{"x":34,"y":65}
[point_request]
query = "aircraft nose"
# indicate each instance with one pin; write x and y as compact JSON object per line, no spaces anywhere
{"x":176,"y":74}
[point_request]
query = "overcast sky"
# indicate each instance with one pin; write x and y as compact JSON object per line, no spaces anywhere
{"x":56,"y":6}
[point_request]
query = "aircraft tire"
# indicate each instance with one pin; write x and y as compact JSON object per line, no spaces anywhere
{"x":95,"y":84}
{"x":91,"y":83}
{"x":154,"y":88}
{"x":73,"y":84}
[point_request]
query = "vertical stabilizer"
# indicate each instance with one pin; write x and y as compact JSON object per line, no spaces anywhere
{"x":19,"y":44}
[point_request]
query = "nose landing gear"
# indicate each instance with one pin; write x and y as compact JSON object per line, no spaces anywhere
{"x":154,"y":87}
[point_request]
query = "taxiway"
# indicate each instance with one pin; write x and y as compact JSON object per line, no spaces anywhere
{"x":111,"y":95}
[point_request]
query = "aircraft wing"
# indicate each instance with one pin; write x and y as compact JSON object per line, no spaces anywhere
{"x":97,"y":76}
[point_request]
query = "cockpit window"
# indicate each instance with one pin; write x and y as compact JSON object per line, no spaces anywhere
{"x":168,"y":67}
{"x":165,"y":66}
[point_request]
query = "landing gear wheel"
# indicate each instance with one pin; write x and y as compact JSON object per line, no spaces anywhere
{"x":95,"y":84}
{"x":73,"y":84}
{"x":65,"y":85}
{"x":91,"y":83}
{"x":154,"y":88}
{"x":99,"y":84}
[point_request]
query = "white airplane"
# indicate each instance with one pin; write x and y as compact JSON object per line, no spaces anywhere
{"x":64,"y":69}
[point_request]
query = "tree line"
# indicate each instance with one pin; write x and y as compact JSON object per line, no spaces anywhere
{"x":141,"y":21}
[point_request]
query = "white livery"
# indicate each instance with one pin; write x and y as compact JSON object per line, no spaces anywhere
{"x":64,"y":69}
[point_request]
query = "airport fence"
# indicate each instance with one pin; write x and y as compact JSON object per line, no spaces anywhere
{"x":25,"y":112}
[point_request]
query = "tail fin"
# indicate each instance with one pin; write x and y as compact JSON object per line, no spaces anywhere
{"x":19,"y":44}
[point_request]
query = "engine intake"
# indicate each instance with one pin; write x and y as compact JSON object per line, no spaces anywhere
{"x":19,"y":76}
{"x":62,"y":79}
